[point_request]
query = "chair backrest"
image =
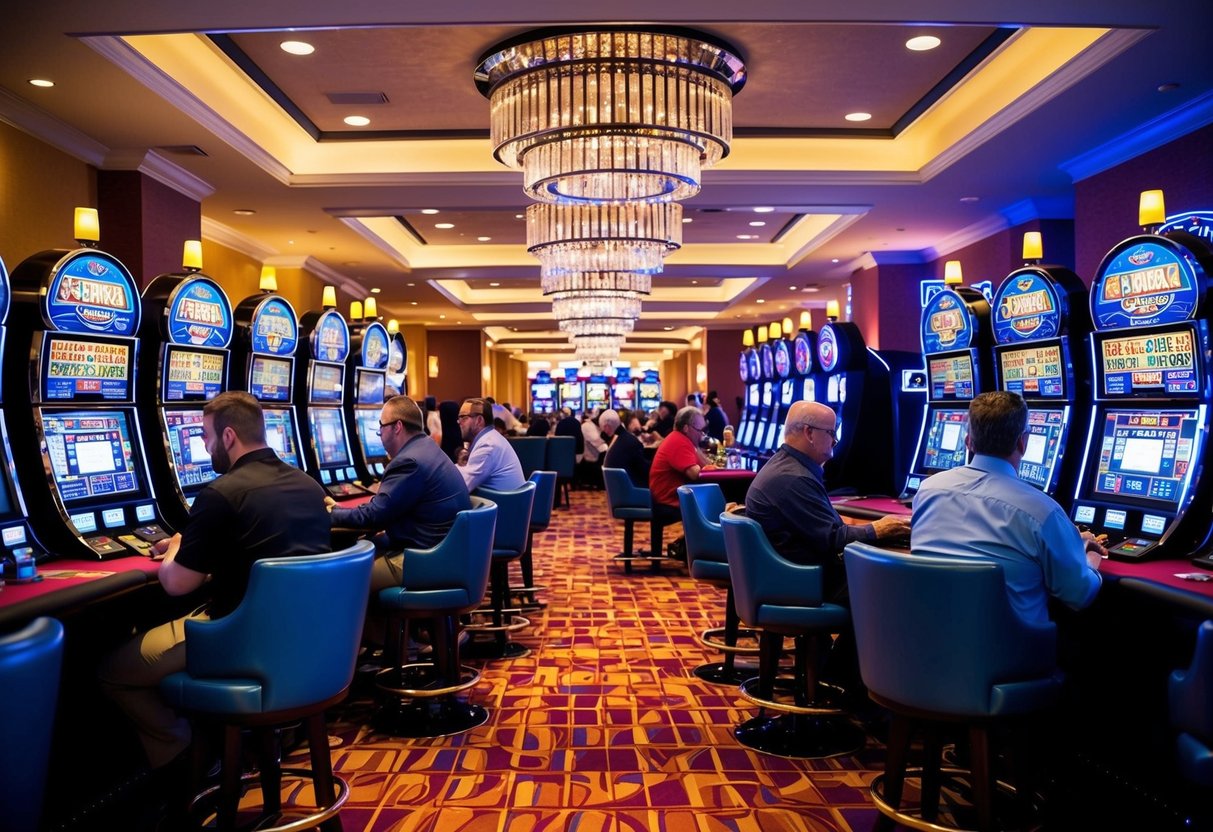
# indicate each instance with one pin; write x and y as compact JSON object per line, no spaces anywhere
{"x":513,"y":517}
{"x":702,"y":504}
{"x":545,"y":498}
{"x":561,"y":456}
{"x":531,"y":450}
{"x":938,"y":632}
{"x":460,"y":562}
{"x":620,"y":491}
{"x":760,"y":575}
{"x":1190,"y":693}
{"x":31,"y":660}
{"x":296,"y":632}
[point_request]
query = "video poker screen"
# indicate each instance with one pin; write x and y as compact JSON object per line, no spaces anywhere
{"x":270,"y":378}
{"x":328,"y":436}
{"x":950,"y":377}
{"x":1146,"y":454}
{"x":192,"y":375}
{"x":91,"y":453}
{"x":368,"y":434}
{"x":280,"y":435}
{"x":325,"y":384}
{"x":1046,"y":427}
{"x":944,"y":445}
{"x":183,"y":431}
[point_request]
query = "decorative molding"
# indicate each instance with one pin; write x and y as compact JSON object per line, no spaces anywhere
{"x":446,"y":179}
{"x":170,"y":174}
{"x":1146,"y":137}
{"x":327,"y":274}
{"x":224,"y":235}
{"x":974,"y":233}
{"x":27,"y":118}
{"x":1105,"y":49}
{"x":825,"y":235}
{"x":1040,"y":208}
{"x":718,"y":178}
{"x":131,"y":62}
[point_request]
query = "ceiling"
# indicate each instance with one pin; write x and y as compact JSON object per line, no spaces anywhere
{"x":988,"y":130}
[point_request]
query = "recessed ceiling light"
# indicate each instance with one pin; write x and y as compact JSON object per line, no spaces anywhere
{"x":858,"y":116}
{"x":687,"y":219}
{"x":757,"y":224}
{"x":41,"y":82}
{"x":297,"y":47}
{"x":832,"y":260}
{"x":969,"y":198}
{"x":519,"y":216}
{"x":444,"y":225}
{"x":442,"y":317}
{"x":429,"y":210}
{"x":791,"y":288}
{"x":244,"y":212}
{"x":694,"y":282}
{"x":376,"y":290}
{"x":357,"y":121}
{"x":922,"y":43}
{"x":760,"y":300}
{"x":810,"y":289}
{"x":412,"y":303}
{"x":668,"y":328}
{"x":484,"y":239}
{"x":747,"y":236}
{"x":494,"y":284}
{"x":764,"y":209}
{"x":410,"y":284}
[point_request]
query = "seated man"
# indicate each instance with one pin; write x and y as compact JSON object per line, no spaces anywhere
{"x":491,"y":461}
{"x":419,"y":495}
{"x":678,"y":462}
{"x":984,"y":509}
{"x":625,"y":451}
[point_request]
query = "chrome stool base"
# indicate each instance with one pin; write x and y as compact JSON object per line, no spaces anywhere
{"x":428,"y":718}
{"x":801,"y":736}
{"x":287,"y":819}
{"x":955,"y":803}
{"x":495,"y":649}
{"x":722,"y":673}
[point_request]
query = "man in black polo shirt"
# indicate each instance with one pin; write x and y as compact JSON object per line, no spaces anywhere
{"x":260,"y":507}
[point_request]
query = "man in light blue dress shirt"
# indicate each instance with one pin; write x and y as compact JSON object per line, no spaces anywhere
{"x":984,"y":510}
{"x":491,"y":460}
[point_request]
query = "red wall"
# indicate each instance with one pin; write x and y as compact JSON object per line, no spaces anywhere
{"x":723,"y":348}
{"x":145,"y":223}
{"x":458,"y":353}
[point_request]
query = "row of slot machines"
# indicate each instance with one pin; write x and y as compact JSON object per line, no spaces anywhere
{"x":103,"y":392}
{"x":1117,"y":380}
{"x":869,"y":390}
{"x":598,"y":392}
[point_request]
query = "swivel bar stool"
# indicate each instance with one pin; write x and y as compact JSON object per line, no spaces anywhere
{"x":509,"y":543}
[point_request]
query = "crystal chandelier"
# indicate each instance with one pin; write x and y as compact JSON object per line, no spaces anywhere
{"x":614,"y":237}
{"x":619,"y":284}
{"x":597,"y":349}
{"x":611,"y":114}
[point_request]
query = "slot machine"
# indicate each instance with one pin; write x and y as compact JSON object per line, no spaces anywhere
{"x":263,"y":363}
{"x":752,"y":377}
{"x":763,"y":429}
{"x":863,"y":387}
{"x":572,"y":391}
{"x":320,"y":395}
{"x":1040,"y":313}
{"x":543,"y":393}
{"x":1144,"y":479}
{"x":396,"y":380}
{"x":804,"y":364}
{"x":649,"y":390}
{"x":597,"y":393}
{"x":183,"y":364}
{"x":956,"y":339}
{"x":783,"y":392}
{"x":368,"y":380}
{"x":18,"y":542}
{"x":77,"y":324}
{"x":623,"y":391}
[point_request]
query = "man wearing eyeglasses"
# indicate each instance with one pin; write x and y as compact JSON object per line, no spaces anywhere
{"x":491,"y":461}
{"x":418,"y":498}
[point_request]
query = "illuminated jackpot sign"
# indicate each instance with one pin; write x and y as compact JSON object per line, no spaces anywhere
{"x":1146,"y":281}
{"x":90,"y":291}
{"x":1036,"y":371}
{"x":1027,"y":307}
{"x":331,"y":338}
{"x":275,"y":328}
{"x":199,"y":314}
{"x":947,"y":323}
{"x":77,"y":368}
{"x":1161,"y":362}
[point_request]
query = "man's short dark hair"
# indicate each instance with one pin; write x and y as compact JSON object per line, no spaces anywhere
{"x":480,"y":407}
{"x":996,"y":421}
{"x":407,"y":411}
{"x":239,"y":411}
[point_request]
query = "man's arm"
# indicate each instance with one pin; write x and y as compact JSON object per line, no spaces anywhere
{"x":175,"y":578}
{"x":476,"y":470}
{"x":1070,"y":563}
{"x":399,"y":490}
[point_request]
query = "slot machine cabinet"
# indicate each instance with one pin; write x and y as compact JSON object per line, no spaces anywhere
{"x":183,"y":364}
{"x":805,"y":370}
{"x":752,"y":375}
{"x":764,"y":429}
{"x":320,"y":396}
{"x":1040,"y":315}
{"x":543,"y":394}
{"x":623,"y":391}
{"x":572,"y":391}
{"x":396,"y":380}
{"x":77,"y":317}
{"x":956,"y":349}
{"x":18,"y":541}
{"x":366,"y":379}
{"x":649,"y":390}
{"x":783,"y":392}
{"x":597,"y":393}
{"x":263,"y":364}
{"x":1144,"y":479}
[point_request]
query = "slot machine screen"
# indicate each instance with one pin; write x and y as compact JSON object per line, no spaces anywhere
{"x":1033,"y":372}
{"x":543,"y":397}
{"x":649,"y":390}
{"x":747,"y":433}
{"x":832,"y":390}
{"x":944,"y":447}
{"x":328,"y":436}
{"x":570,"y":394}
{"x":950,"y":376}
{"x":753,"y":395}
{"x":368,"y":434}
{"x":1146,"y":455}
{"x":787,"y":394}
{"x":809,"y":390}
{"x":370,"y":386}
{"x":624,"y":393}
{"x":183,"y":432}
{"x":280,"y":435}
{"x":270,"y":378}
{"x":597,"y":394}
{"x":324,"y":385}
{"x":91,"y":454}
{"x":191,"y":375}
{"x":95,"y":370}
{"x":1160,"y":364}
{"x":1046,"y":427}
{"x":9,"y":510}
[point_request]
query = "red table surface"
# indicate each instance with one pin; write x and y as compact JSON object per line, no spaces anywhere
{"x":67,"y":584}
{"x":725,"y":474}
{"x":869,"y":508}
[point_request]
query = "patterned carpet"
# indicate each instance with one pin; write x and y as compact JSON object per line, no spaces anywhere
{"x":602,"y":728}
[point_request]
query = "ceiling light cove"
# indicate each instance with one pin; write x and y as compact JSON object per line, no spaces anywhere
{"x":922,"y":43}
{"x":444,"y":225}
{"x":41,"y":82}
{"x":429,"y":210}
{"x":858,"y":116}
{"x":297,"y":47}
{"x":357,"y":121}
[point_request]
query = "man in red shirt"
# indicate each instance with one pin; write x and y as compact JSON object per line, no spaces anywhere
{"x":678,"y":462}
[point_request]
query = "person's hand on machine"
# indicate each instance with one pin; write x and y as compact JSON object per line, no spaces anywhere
{"x":892,"y":525}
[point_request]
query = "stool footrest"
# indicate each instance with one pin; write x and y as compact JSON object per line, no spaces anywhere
{"x":713,"y":639}
{"x":955,"y":803}
{"x":421,"y":681}
{"x":789,"y":697}
{"x":801,"y":736}
{"x":517,"y":622}
{"x":719,"y":673}
{"x":429,"y":718}
{"x":299,"y":823}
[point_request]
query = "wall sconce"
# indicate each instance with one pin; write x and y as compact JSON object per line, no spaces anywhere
{"x":1033,"y":247}
{"x":433,"y":366}
{"x":701,"y":375}
{"x":952,"y":275}
{"x":1151,"y":212}
{"x":87,"y":227}
{"x":832,"y":310}
{"x":329,"y":298}
{"x":191,"y":255}
{"x":269,"y":280}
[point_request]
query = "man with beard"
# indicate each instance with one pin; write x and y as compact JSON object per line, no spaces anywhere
{"x":259,"y":507}
{"x":491,"y":461}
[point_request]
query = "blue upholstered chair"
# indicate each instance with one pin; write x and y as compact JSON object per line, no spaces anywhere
{"x":30,"y":663}
{"x":532,"y":452}
{"x":786,"y":599}
{"x":439,"y":584}
{"x":939,"y":643}
{"x":562,"y":458}
{"x":509,"y":542}
{"x":541,"y":518}
{"x":1191,"y":700}
{"x":631,"y":505}
{"x":284,"y":655}
{"x":702,"y":505}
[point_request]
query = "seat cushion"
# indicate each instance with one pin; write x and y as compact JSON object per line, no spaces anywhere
{"x":212,"y":696}
{"x":632,"y":513}
{"x":435,"y":600}
{"x":802,"y":620}
{"x":1024,"y":697}
{"x":710,"y":570}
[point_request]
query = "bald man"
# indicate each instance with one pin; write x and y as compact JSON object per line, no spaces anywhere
{"x":788,"y":499}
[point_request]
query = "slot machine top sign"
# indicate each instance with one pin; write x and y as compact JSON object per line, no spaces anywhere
{"x":90,"y":291}
{"x":1028,"y":307}
{"x":802,"y":353}
{"x":783,"y":359}
{"x":744,"y":367}
{"x":1144,"y":281}
{"x":331,"y":338}
{"x":947,"y":323}
{"x":827,"y":349}
{"x":375,"y":346}
{"x":199,"y":314}
{"x":275,"y":329}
